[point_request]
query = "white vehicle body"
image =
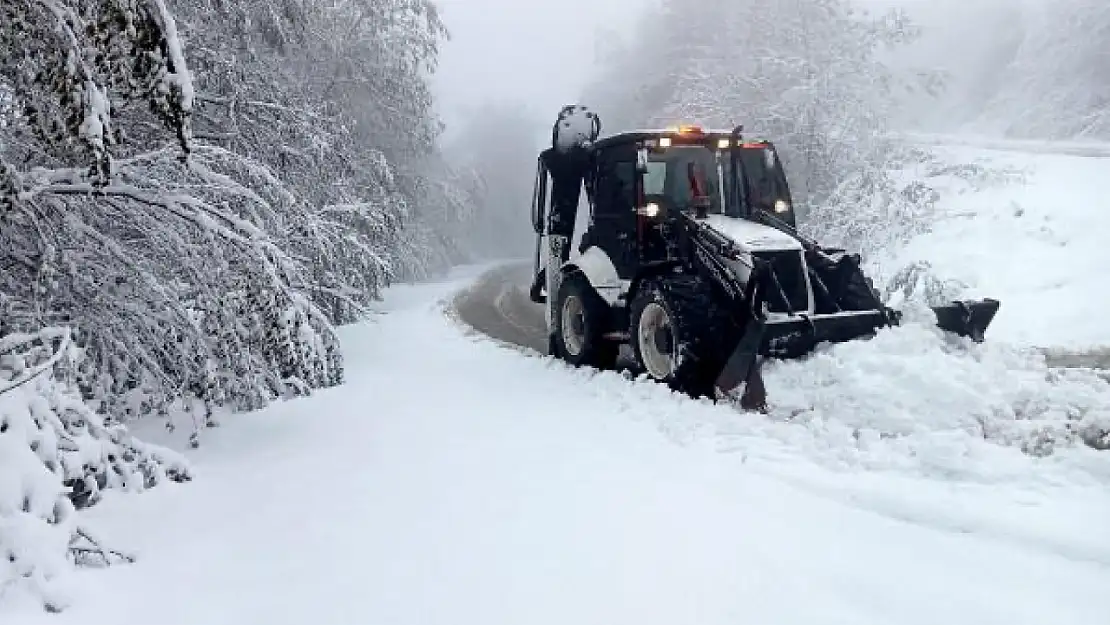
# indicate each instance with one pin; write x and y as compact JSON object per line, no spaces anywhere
{"x":750,"y":237}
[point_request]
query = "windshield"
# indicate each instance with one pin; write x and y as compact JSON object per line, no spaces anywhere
{"x":685,"y":177}
{"x":764,"y":179}
{"x":681,"y":177}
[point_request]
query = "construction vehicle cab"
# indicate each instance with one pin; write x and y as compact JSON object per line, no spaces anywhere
{"x":691,"y":258}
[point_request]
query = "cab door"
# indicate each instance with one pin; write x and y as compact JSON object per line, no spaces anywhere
{"x":613,"y":226}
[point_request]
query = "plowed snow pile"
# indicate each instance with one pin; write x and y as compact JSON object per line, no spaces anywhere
{"x":914,"y":398}
{"x":1021,"y":228}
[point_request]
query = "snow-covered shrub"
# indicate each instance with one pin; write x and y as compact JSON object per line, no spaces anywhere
{"x":877,"y":211}
{"x":881,"y":208}
{"x":175,"y":286}
{"x":57,"y":455}
{"x":870,"y":211}
{"x":918,"y":283}
{"x":915,"y":384}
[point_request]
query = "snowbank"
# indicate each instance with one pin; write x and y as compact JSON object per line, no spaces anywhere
{"x":913,"y":398}
{"x":57,"y":455}
{"x":1025,"y":228}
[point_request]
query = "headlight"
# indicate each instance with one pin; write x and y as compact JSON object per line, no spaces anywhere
{"x":781,"y":206}
{"x":651,"y":210}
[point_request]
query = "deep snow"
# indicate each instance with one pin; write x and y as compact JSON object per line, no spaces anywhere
{"x":1034,"y":237}
{"x":454,"y":481}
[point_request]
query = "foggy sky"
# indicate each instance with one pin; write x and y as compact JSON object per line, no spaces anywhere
{"x":538,"y":53}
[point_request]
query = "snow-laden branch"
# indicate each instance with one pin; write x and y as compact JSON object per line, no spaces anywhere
{"x":38,"y":370}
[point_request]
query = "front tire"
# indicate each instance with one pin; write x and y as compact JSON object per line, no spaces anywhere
{"x":672,"y":331}
{"x":581,"y":321}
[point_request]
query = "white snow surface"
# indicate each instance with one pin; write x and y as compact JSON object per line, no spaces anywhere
{"x":750,"y":235}
{"x":451,"y":480}
{"x":1037,"y":241}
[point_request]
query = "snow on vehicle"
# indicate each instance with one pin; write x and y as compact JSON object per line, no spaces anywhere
{"x":691,"y":257}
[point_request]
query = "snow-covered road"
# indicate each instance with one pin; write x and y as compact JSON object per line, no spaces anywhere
{"x":454,"y":481}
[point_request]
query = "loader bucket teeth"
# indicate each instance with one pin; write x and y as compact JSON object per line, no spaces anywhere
{"x":970,"y":319}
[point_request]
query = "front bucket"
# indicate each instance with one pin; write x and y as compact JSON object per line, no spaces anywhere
{"x":796,"y":336}
{"x":970,"y":318}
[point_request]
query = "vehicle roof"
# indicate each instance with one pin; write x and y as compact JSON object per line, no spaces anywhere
{"x":634,"y":136}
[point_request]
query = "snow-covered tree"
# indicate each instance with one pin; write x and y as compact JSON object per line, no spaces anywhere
{"x":193,"y":193}
{"x":68,"y":65}
{"x":1024,"y":68}
{"x":1055,"y":85}
{"x":334,"y":98}
{"x":804,"y":73}
{"x":213,"y":271}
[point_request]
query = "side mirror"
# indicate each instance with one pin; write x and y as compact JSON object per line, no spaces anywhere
{"x":539,"y":198}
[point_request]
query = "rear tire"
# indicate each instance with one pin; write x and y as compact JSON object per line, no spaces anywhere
{"x":673,"y":325}
{"x":581,"y":321}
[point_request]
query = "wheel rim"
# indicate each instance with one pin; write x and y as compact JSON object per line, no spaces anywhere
{"x":574,"y":325}
{"x":655,"y":335}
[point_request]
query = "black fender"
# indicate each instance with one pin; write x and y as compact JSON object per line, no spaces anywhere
{"x":647,"y":273}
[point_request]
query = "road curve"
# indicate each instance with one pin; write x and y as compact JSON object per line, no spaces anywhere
{"x":497,"y":305}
